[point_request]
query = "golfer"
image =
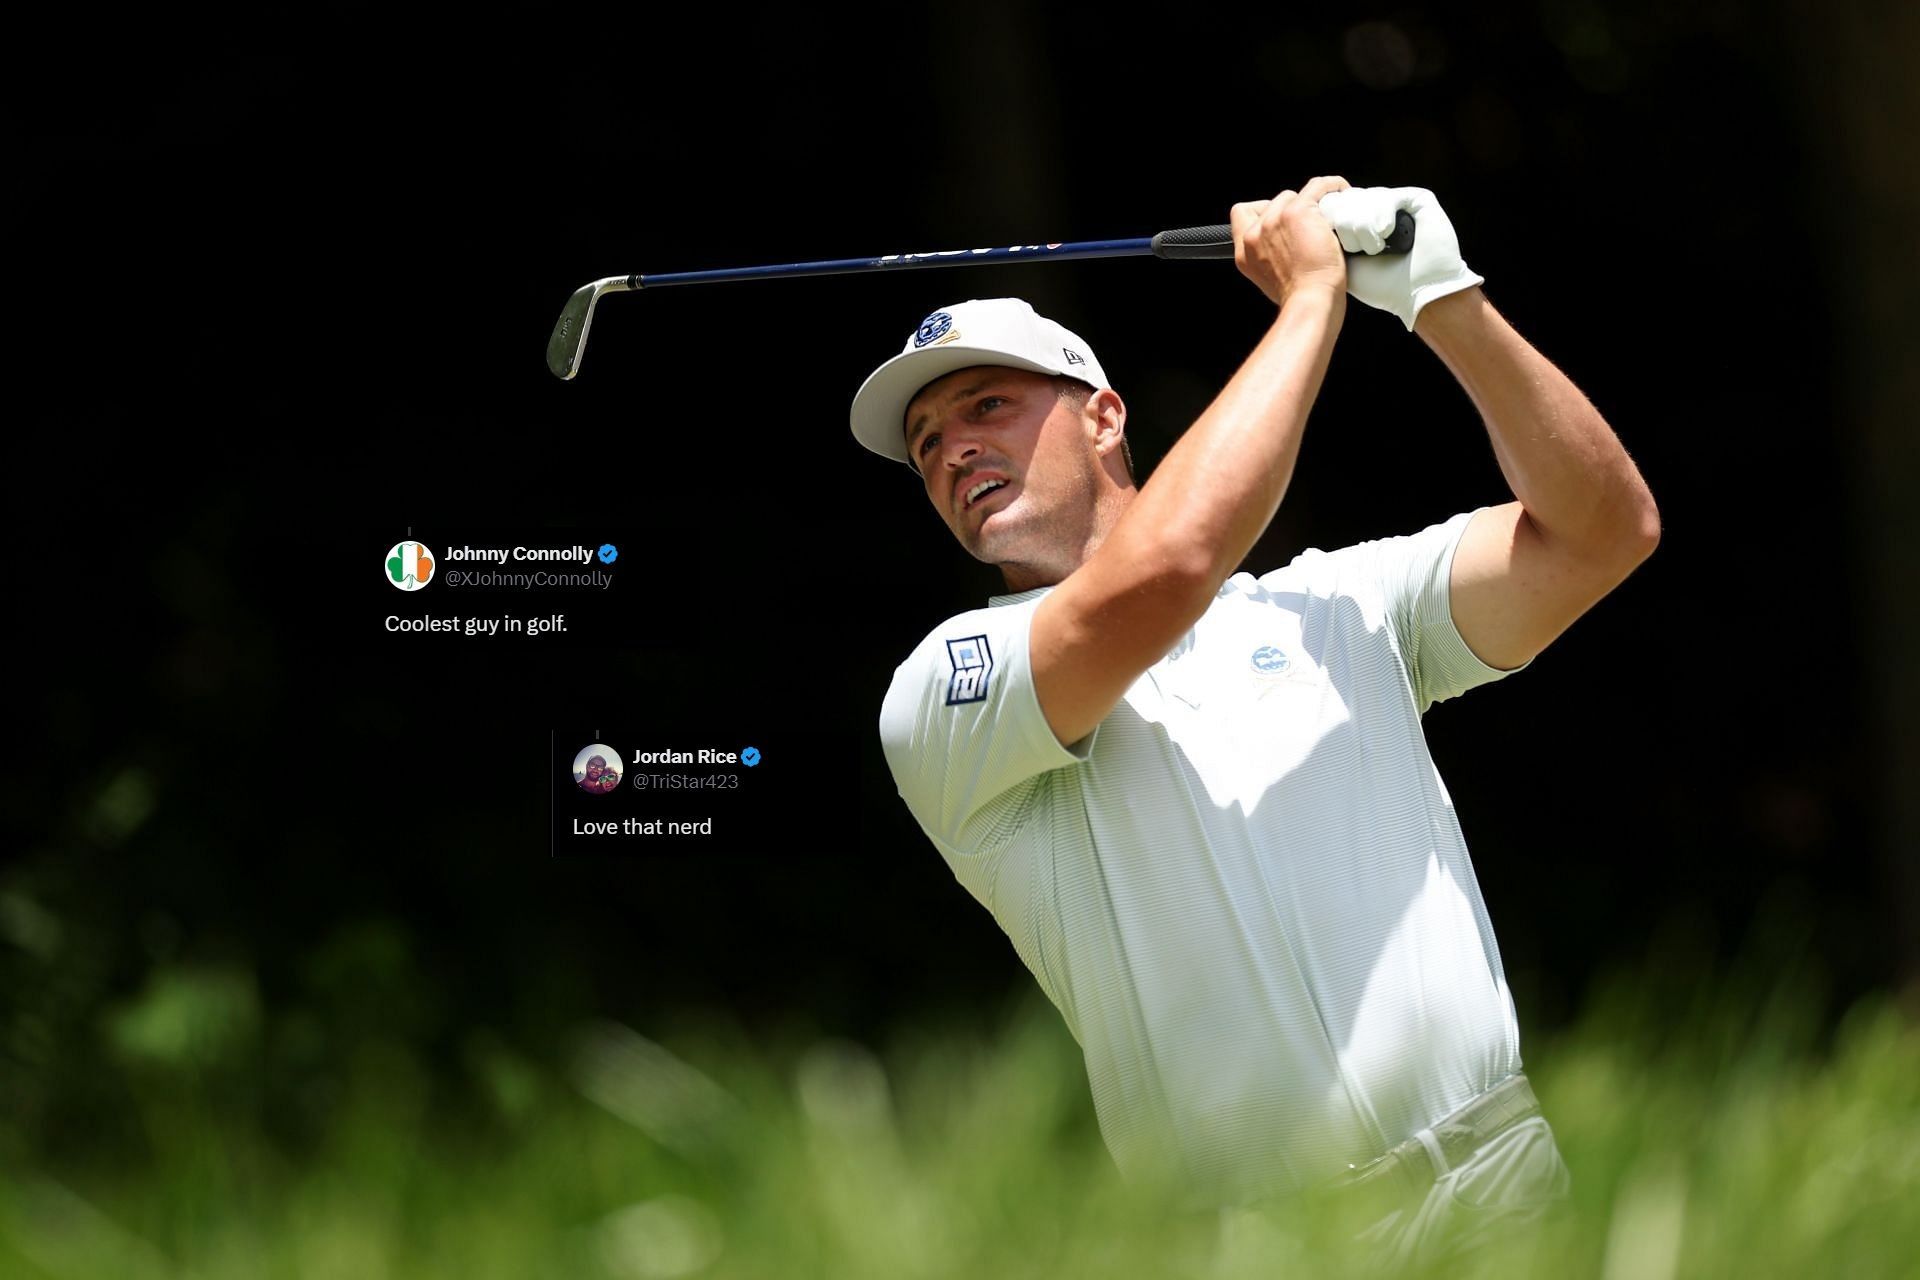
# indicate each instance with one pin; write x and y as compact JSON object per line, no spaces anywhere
{"x":1197,"y":798}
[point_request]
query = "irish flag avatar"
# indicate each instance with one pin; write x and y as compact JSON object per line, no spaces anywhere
{"x":409,"y":566}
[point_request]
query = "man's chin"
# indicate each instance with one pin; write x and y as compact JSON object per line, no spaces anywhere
{"x":990,"y":546}
{"x":1002,"y":535}
{"x":988,"y":550}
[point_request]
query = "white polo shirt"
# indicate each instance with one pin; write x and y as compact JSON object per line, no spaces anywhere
{"x":1245,"y":890}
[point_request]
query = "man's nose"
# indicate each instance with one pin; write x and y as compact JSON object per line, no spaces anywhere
{"x":956,"y":447}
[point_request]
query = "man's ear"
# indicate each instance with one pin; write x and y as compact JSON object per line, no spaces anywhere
{"x":1106,"y":418}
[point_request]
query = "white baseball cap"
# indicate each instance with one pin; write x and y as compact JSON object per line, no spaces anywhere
{"x":1002,"y":331}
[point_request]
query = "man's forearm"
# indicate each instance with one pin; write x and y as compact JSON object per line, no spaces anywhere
{"x":1580,"y":489}
{"x":1214,"y":493}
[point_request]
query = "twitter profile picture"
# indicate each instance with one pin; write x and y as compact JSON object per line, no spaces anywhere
{"x":409,"y":565}
{"x":597,"y":769}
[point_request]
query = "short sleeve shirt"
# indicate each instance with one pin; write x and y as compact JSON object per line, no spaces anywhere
{"x":1246,"y":889}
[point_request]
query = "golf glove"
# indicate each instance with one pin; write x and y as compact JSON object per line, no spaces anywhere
{"x":1402,"y":283}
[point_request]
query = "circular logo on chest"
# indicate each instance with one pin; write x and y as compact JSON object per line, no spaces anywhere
{"x":1270,"y":660}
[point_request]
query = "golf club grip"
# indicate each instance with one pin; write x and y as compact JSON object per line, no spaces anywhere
{"x":1217,"y":241}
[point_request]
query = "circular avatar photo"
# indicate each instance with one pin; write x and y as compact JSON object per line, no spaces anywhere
{"x":409,"y":565}
{"x":597,"y":769}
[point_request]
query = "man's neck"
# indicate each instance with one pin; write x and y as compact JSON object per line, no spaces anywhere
{"x":1026,"y":576}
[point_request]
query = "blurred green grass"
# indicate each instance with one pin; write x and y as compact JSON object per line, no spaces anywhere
{"x":1713,"y":1128}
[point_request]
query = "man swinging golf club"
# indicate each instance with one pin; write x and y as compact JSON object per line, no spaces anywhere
{"x":1198,"y":799}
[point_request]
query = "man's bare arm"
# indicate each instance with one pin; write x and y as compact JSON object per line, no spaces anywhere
{"x":1584,"y":518}
{"x":1213,"y":494}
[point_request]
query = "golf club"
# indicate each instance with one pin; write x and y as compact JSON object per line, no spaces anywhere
{"x":569,"y":341}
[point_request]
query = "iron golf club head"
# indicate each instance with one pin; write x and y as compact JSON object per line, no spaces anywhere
{"x":569,"y":340}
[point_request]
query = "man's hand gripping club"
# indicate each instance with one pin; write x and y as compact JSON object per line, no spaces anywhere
{"x":1401,"y":283}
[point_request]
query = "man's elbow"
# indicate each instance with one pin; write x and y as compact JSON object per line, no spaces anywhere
{"x":1617,"y":538}
{"x":1637,"y":529}
{"x":1646,"y":532}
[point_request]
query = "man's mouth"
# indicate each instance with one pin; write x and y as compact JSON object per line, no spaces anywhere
{"x":981,"y":492}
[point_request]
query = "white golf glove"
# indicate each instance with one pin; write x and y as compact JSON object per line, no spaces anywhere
{"x":1402,"y":283}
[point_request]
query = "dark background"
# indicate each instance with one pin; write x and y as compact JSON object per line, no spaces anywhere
{"x":284,"y":295}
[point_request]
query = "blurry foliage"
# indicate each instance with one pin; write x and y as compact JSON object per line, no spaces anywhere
{"x":122,"y":805}
{"x":187,"y":1018}
{"x":1715,"y":1124}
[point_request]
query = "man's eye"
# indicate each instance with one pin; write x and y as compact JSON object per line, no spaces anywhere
{"x":990,"y":401}
{"x":927,"y":440}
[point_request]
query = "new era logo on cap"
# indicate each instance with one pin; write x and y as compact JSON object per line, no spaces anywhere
{"x":979,"y":331}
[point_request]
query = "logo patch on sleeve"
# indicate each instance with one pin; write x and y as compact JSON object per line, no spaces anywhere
{"x":972,"y":665}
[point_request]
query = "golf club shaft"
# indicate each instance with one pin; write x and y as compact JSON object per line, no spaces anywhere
{"x":1186,"y":242}
{"x":569,"y":340}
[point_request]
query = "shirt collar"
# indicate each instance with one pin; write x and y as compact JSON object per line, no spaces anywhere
{"x":1031,"y":593}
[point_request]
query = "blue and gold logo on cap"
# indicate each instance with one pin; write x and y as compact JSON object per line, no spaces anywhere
{"x":932,"y":329}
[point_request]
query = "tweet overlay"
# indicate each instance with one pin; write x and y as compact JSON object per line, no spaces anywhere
{"x":512,"y":586}
{"x":637,"y":791}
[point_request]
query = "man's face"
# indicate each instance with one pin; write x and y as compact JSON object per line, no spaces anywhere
{"x":992,"y":424}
